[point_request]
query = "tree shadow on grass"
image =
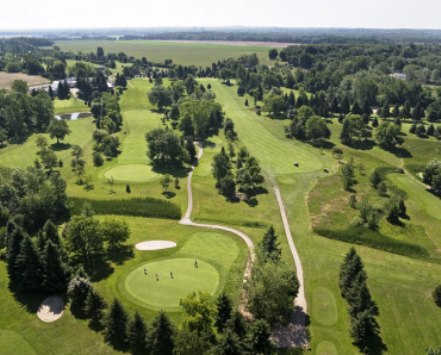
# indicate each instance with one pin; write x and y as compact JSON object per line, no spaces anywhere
{"x":400,"y":152}
{"x":367,"y":144}
{"x":179,"y":172}
{"x":101,"y":271}
{"x":58,"y":147}
{"x":121,"y":254}
{"x":169,"y":194}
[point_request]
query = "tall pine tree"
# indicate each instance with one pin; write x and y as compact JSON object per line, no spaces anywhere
{"x":116,"y":324}
{"x":137,"y":333}
{"x":160,"y":338}
{"x":28,"y":266}
{"x":55,"y":275}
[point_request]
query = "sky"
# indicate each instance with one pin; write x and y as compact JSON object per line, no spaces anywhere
{"x":44,"y":14}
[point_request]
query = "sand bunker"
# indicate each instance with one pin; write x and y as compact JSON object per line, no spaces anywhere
{"x":51,"y":309}
{"x":155,"y":245}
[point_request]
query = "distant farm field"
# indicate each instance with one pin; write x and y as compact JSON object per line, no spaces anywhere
{"x":185,"y":53}
{"x":6,"y":79}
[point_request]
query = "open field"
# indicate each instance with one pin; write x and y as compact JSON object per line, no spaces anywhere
{"x":199,"y":54}
{"x":6,"y":79}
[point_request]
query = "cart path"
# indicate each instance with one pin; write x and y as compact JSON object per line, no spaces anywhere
{"x":294,"y":334}
{"x":186,"y":220}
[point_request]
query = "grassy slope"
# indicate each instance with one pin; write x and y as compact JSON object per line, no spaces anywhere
{"x":408,"y":317}
{"x":199,"y":54}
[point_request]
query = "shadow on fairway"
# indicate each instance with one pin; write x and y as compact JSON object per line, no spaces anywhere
{"x":57,"y":147}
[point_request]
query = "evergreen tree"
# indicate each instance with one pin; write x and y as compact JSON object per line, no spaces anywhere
{"x":160,"y":337}
{"x":258,"y":338}
{"x":228,"y":344}
{"x":269,"y":246}
{"x":375,"y":179}
{"x":14,"y":236}
{"x":137,"y":333}
{"x":237,"y":324}
{"x":115,"y":331}
{"x":363,"y":328}
{"x":350,"y":268}
{"x":27,"y":266}
{"x":223,"y":314}
{"x":50,"y":231}
{"x":94,"y":307}
{"x":55,"y":275}
{"x":77,"y":291}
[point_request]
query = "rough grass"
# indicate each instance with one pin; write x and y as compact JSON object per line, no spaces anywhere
{"x":199,"y":54}
{"x":142,"y":207}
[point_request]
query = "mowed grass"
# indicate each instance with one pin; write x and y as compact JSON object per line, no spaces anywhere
{"x":71,"y":105}
{"x":265,"y":138}
{"x":199,"y":54}
{"x":223,"y":252}
{"x":176,"y":279}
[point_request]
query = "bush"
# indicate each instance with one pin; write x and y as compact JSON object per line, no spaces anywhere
{"x":97,"y":159}
{"x":142,"y":207}
{"x":437,"y":296}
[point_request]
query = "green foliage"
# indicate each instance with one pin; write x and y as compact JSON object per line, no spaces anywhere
{"x":269,"y":246}
{"x":137,"y":333}
{"x":116,"y":324}
{"x":54,"y":271}
{"x":389,"y":135}
{"x":348,"y":176}
{"x":58,"y":129}
{"x":160,"y":338}
{"x":164,"y":148}
{"x":77,"y":291}
{"x":160,"y":96}
{"x":142,"y":207}
{"x":200,"y":117}
{"x":272,"y":288}
{"x":94,"y":307}
{"x":258,"y":338}
{"x":432,"y":175}
{"x":27,"y":267}
{"x":223,"y":312}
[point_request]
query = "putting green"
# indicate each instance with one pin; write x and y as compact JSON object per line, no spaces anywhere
{"x":131,"y":173}
{"x":166,"y":292}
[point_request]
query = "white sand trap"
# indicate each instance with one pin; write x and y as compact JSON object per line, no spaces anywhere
{"x":51,"y":309}
{"x":155,"y":245}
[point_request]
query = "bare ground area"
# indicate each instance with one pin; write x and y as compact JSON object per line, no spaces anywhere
{"x":6,"y":79}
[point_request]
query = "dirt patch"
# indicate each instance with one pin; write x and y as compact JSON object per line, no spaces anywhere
{"x":6,"y":79}
{"x":51,"y":309}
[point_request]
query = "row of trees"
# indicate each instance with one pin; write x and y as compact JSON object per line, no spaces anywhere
{"x":206,"y":326}
{"x":362,"y":309}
